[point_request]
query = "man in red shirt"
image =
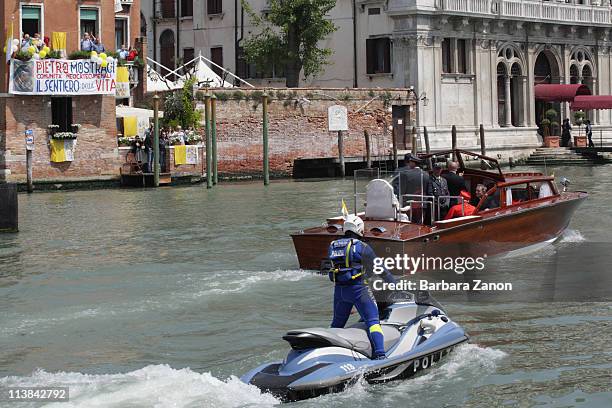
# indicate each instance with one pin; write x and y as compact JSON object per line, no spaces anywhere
{"x":459,"y":210}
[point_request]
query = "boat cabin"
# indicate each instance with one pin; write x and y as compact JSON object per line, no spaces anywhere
{"x":490,"y":189}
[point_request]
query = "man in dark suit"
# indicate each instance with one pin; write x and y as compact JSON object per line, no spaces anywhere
{"x":455,"y":182}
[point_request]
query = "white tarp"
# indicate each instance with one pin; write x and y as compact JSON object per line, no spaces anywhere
{"x":205,"y":75}
{"x":156,"y":83}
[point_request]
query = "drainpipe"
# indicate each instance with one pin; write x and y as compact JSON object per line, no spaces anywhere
{"x":236,"y":38}
{"x":355,"y":82}
{"x":155,"y":31}
{"x":178,"y":32}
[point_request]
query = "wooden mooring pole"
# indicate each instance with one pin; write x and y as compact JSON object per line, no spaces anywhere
{"x":156,"y":157}
{"x":209,"y":172}
{"x":413,"y":140}
{"x":366,"y":135}
{"x":454,"y":140}
{"x":8,"y":208}
{"x":483,"y":149}
{"x":266,"y":163}
{"x":213,"y":129}
{"x":341,"y":153}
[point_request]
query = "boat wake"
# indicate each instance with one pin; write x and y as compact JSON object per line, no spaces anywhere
{"x":570,"y":235}
{"x":462,"y":370}
{"x":151,"y":386}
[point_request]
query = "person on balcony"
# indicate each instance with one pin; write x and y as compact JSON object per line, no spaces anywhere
{"x":87,"y":43}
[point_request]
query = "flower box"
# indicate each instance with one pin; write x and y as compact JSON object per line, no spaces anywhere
{"x":580,"y":141}
{"x":551,"y":141}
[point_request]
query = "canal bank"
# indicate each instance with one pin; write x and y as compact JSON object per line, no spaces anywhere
{"x":162,"y":296}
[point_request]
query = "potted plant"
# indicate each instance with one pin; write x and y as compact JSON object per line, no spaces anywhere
{"x":76,"y":127}
{"x":551,"y":128}
{"x":192,"y":138}
{"x":64,"y":135}
{"x":579,"y":118}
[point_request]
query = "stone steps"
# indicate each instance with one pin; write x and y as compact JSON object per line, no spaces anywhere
{"x":557,"y":156}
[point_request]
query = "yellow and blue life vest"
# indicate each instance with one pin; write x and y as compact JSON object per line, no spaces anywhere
{"x":345,"y":255}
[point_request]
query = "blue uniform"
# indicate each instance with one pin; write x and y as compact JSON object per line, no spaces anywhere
{"x":352,"y":261}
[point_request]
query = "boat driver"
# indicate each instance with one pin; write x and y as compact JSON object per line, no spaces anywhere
{"x":351,"y":268}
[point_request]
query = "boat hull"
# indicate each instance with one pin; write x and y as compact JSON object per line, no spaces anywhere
{"x":495,"y":233}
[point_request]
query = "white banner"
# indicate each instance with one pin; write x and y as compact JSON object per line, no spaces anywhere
{"x":62,"y":77}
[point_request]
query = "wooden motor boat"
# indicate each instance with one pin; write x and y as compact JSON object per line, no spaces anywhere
{"x":530,"y":210}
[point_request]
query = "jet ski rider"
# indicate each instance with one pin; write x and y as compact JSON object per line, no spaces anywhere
{"x":351,"y":266}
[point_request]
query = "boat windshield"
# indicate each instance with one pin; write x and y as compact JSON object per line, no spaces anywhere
{"x":382,"y":194}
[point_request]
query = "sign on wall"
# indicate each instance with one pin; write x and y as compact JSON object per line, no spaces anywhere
{"x":337,"y":117}
{"x":61,"y":77}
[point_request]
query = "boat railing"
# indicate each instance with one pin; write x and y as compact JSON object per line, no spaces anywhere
{"x":427,"y":201}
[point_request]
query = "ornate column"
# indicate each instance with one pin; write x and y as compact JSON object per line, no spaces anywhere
{"x":508,"y":101}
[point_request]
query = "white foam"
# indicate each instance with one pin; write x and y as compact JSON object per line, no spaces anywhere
{"x":570,"y":235}
{"x":151,"y":386}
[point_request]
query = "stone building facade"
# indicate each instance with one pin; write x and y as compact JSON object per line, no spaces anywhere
{"x":471,"y":62}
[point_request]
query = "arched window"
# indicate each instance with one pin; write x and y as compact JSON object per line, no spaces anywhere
{"x":167,"y":50}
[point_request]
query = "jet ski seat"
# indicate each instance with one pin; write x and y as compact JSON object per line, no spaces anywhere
{"x":352,"y":338}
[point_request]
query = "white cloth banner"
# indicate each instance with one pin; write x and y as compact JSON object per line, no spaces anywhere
{"x":192,"y":154}
{"x":61,"y":77}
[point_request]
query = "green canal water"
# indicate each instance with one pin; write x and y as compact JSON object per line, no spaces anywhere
{"x":159,"y":298}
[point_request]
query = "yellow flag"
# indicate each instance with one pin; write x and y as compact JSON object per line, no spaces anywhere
{"x":58,"y":151}
{"x":58,"y":40}
{"x":180,"y":154}
{"x":345,"y":210}
{"x":130,"y":126}
{"x":9,"y":43}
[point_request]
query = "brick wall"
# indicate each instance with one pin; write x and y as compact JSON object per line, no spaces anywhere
{"x":96,"y":152}
{"x":298,"y":126}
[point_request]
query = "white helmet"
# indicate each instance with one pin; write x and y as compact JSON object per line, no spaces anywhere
{"x":353,"y":223}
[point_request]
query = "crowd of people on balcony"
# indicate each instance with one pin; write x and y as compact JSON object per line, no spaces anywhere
{"x":37,"y":41}
{"x":90,"y":42}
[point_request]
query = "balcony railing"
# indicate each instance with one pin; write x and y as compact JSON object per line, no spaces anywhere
{"x":531,"y":10}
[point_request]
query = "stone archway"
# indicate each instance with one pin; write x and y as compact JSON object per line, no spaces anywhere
{"x":546,"y":70}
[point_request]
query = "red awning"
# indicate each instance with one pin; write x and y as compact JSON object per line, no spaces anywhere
{"x":585,"y":102}
{"x":560,"y":92}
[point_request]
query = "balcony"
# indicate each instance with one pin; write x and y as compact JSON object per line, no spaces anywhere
{"x":532,"y":10}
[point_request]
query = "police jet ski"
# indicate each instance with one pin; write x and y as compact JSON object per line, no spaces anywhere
{"x":325,"y":360}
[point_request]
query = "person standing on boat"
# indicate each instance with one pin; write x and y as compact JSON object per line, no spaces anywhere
{"x":455,"y":182}
{"x":351,"y":266}
{"x":411,"y":179}
{"x":438,"y":187}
